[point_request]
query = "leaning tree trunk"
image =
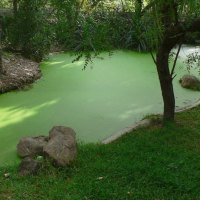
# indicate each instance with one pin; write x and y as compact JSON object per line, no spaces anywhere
{"x":166,"y":85}
{"x":169,"y":40}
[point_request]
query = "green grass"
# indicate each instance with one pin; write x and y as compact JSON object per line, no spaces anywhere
{"x":153,"y":163}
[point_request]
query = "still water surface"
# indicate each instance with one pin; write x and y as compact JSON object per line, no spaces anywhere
{"x":111,"y":94}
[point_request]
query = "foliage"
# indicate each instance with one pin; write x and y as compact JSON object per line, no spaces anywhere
{"x":193,"y":61}
{"x":98,"y":28}
{"x":5,"y":4}
{"x":80,"y":26}
{"x":180,"y":11}
{"x":29,"y":30}
{"x":85,"y":26}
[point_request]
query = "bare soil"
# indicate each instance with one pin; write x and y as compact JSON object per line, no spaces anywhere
{"x":19,"y":73}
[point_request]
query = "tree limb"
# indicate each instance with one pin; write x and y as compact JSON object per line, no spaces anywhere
{"x":176,"y":58}
{"x":153,"y":57}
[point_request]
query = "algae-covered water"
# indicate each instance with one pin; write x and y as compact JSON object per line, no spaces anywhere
{"x":111,"y":94}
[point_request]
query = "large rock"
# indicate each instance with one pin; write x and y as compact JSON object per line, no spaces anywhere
{"x":190,"y":82}
{"x":31,"y":146}
{"x":29,"y":166}
{"x":61,"y":146}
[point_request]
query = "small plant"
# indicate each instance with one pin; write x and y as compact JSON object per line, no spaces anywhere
{"x":193,"y":61}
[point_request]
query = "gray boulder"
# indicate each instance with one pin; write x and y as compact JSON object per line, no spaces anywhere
{"x":190,"y":82}
{"x":29,"y":166}
{"x":31,"y":146}
{"x":61,"y":147}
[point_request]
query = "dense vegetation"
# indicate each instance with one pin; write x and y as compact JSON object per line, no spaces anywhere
{"x":39,"y":27}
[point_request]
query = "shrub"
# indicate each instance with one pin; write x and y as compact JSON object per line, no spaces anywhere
{"x":29,"y":30}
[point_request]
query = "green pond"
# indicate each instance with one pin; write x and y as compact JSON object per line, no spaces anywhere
{"x":111,"y":94}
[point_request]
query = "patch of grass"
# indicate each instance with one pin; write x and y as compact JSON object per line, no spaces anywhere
{"x":153,"y":163}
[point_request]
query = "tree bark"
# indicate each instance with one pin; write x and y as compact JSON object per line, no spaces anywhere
{"x":171,"y":37}
{"x":166,"y":84}
{"x":1,"y":62}
{"x":169,"y":40}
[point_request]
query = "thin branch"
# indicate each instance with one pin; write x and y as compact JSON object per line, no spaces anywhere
{"x":176,"y":58}
{"x":153,"y":57}
{"x":150,"y":50}
{"x":174,"y":76}
{"x":177,"y":35}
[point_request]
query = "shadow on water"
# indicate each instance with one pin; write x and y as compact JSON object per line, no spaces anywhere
{"x":96,"y":102}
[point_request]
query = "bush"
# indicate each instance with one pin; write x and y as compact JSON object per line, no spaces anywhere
{"x":38,"y":25}
{"x":97,"y":29}
{"x":29,"y":30}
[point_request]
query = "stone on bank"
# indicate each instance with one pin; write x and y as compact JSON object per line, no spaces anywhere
{"x":190,"y":82}
{"x":59,"y":148}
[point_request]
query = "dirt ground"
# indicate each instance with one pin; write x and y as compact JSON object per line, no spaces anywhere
{"x":20,"y":73}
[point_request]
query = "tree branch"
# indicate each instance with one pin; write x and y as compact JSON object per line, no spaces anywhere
{"x":154,"y":60}
{"x":176,"y":58}
{"x":193,"y":27}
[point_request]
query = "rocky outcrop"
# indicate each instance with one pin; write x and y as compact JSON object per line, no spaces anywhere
{"x":29,"y":166}
{"x":61,"y":146}
{"x":20,"y":73}
{"x":190,"y":82}
{"x":31,"y":146}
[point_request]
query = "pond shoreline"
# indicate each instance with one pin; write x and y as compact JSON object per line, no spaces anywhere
{"x":143,"y":124}
{"x":20,"y":73}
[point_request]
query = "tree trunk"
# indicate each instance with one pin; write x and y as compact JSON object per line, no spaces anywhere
{"x":166,"y":83}
{"x":1,"y":62}
{"x":169,"y":40}
{"x":15,"y":6}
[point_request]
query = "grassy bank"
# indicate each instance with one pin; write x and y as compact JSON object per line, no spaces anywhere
{"x":154,"y":163}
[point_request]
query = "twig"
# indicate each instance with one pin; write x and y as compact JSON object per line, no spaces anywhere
{"x":174,"y":76}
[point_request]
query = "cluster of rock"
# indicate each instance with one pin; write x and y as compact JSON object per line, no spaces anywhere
{"x":59,"y":148}
{"x":190,"y":82}
{"x":19,"y":72}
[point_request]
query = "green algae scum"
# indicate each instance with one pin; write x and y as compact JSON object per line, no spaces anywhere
{"x":112,"y":93}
